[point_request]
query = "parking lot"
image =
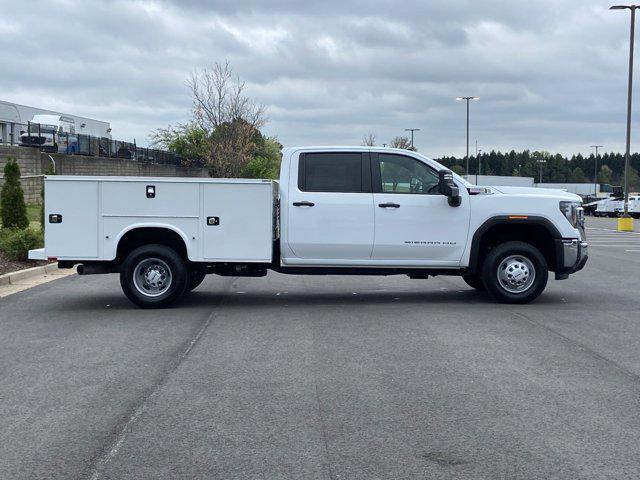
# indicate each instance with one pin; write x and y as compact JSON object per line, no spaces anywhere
{"x":327,"y":377}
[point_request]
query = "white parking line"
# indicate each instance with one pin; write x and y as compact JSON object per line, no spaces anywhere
{"x":613,"y":245}
{"x":610,"y":230}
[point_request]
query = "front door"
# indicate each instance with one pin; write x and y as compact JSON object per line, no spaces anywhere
{"x":330,"y":206}
{"x":413,"y":221}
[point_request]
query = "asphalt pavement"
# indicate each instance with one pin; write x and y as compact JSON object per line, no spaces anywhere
{"x":327,"y":377}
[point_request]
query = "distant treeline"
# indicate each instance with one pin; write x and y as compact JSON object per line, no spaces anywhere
{"x":555,"y":169}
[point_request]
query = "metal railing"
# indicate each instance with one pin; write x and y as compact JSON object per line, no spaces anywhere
{"x":51,"y":140}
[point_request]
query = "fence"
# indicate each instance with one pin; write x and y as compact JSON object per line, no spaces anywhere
{"x":52,"y":139}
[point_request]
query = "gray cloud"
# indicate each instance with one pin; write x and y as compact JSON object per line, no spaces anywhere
{"x":551,"y":75}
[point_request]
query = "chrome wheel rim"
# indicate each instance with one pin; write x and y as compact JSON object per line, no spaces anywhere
{"x":516,"y":274}
{"x":152,"y":277}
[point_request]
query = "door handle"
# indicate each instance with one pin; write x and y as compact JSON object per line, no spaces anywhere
{"x":303,"y":204}
{"x":389,"y":205}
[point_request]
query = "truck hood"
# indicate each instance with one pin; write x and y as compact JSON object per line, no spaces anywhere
{"x":538,"y":192}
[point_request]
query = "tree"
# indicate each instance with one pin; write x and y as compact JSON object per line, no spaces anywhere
{"x":605,"y":175}
{"x":402,"y":142}
{"x":266,"y":160}
{"x":459,"y":169}
{"x":577,"y":176}
{"x":13,"y":211}
{"x":225,"y":125}
{"x":369,"y":140}
{"x":232,"y":119}
{"x":188,"y":140}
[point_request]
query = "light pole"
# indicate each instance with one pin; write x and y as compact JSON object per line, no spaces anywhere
{"x":467,"y":99}
{"x":541,"y":161}
{"x":628,"y":225}
{"x":595,"y":174}
{"x":411,"y":130}
{"x":478,"y":153}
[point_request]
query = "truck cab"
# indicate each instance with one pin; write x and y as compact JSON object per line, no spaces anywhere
{"x":334,"y":211}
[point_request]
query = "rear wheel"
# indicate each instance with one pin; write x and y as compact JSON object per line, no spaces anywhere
{"x":515,"y":272}
{"x":474,"y":281}
{"x":153,"y":276}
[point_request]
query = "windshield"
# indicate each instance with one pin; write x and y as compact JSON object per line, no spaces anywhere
{"x":42,"y":128}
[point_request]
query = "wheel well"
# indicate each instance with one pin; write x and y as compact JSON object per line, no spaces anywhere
{"x":534,"y":234}
{"x":150,"y":235}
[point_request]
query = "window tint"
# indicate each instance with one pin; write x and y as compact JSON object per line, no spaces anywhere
{"x":401,"y":174}
{"x":331,"y":172}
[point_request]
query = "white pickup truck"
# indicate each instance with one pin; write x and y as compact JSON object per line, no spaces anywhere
{"x":335,"y":211}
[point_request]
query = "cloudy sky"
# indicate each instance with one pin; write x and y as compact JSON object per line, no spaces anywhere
{"x":551,"y":74}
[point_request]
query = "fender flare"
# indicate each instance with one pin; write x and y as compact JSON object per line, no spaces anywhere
{"x":138,"y":226}
{"x":474,"y":256}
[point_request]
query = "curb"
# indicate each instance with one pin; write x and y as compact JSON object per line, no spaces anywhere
{"x":15,"y":277}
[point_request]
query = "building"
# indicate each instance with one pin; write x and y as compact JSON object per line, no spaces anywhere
{"x":499,"y":181}
{"x":14,"y":119}
{"x":596,"y":190}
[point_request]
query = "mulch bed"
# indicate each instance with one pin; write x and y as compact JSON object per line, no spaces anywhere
{"x":7,"y":265}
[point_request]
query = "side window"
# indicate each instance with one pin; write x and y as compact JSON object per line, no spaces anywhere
{"x":332,"y":172}
{"x":400,"y":174}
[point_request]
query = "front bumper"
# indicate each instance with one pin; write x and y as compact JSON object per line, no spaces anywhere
{"x":571,"y":256}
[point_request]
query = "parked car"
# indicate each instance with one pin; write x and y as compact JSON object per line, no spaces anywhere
{"x":335,"y":211}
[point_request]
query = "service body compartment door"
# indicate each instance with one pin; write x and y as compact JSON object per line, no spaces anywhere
{"x":75,"y":237}
{"x":237,"y":220}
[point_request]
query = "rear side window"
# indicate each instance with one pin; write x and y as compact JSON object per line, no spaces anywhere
{"x":333,"y":172}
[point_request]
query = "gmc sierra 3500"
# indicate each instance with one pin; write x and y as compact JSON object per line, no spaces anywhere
{"x":334,"y":211}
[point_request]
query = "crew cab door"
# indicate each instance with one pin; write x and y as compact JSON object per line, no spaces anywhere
{"x":330,"y":206}
{"x":413,"y":221}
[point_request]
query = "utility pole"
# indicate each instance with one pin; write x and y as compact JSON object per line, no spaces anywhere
{"x":478,"y":153}
{"x":627,"y":224}
{"x":595,"y":175}
{"x":467,"y":99}
{"x":541,"y":161}
{"x":411,"y":130}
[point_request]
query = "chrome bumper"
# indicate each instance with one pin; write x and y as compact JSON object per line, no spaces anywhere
{"x":572,"y":255}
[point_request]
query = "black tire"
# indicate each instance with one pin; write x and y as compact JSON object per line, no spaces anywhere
{"x":475,"y":282}
{"x":524,"y":258}
{"x":196,"y":277}
{"x":160,"y":259}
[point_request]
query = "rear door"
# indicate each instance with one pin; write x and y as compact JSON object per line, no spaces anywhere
{"x":413,"y":221}
{"x":330,"y":206}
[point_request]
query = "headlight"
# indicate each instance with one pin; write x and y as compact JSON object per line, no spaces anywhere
{"x":574,"y":213}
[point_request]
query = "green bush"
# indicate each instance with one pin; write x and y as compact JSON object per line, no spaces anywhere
{"x":16,"y":243}
{"x":13,"y":211}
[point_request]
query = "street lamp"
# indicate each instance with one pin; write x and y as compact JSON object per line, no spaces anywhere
{"x":628,"y":224}
{"x":478,"y":153}
{"x":467,"y":99}
{"x":595,"y":174}
{"x":541,"y":161}
{"x":411,"y":130}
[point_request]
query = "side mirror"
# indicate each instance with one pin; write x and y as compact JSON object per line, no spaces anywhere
{"x":448,"y":188}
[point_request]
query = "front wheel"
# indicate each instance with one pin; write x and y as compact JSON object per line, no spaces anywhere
{"x":153,"y":276}
{"x":515,"y":272}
